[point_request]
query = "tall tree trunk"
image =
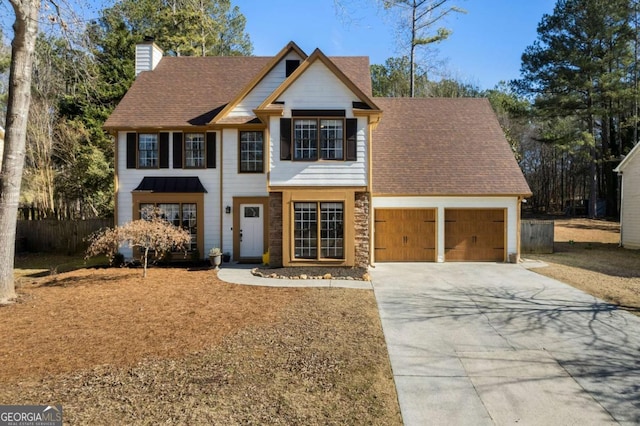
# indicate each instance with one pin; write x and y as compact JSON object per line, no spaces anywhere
{"x":25,"y":30}
{"x":412,"y":77}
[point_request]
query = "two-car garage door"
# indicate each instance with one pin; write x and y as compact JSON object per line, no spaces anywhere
{"x":410,"y":235}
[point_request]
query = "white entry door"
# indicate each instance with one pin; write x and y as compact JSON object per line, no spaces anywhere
{"x":251,"y":230}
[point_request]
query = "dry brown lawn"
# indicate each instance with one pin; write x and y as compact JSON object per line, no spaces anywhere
{"x":182,"y":347}
{"x":586,"y":255}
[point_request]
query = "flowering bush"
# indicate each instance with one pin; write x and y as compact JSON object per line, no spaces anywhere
{"x":151,"y":234}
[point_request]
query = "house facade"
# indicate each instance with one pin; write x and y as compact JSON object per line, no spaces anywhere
{"x":292,"y":154}
{"x":629,"y":170}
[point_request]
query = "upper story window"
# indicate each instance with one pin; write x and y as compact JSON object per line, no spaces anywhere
{"x":251,"y":152}
{"x":311,"y":144}
{"x":194,"y":150}
{"x":290,"y":66}
{"x":147,"y":150}
{"x":153,"y":150}
{"x":331,"y":139}
{"x":311,"y":135}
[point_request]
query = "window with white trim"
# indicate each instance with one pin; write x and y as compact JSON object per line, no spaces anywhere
{"x":148,"y":150}
{"x":251,"y":152}
{"x":194,"y":150}
{"x":318,"y":236}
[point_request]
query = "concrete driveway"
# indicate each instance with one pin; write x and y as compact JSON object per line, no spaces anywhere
{"x":484,"y":344}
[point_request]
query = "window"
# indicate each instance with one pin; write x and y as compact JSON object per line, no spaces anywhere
{"x":251,"y":152}
{"x":147,"y":150}
{"x":331,"y":139}
{"x":290,"y":66}
{"x":318,"y":237}
{"x":194,"y":150}
{"x":307,"y":139}
{"x":179,"y":214}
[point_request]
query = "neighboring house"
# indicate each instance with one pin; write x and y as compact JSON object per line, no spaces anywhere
{"x":293,"y":155}
{"x":629,"y":169}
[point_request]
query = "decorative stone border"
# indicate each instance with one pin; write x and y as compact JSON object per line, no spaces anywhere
{"x":327,"y":276}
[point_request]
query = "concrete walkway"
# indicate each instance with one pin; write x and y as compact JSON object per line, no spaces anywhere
{"x":485,"y":344}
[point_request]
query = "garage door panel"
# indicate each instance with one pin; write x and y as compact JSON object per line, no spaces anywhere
{"x":405,"y":235}
{"x":474,"y":234}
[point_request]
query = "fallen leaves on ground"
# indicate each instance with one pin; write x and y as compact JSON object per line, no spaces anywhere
{"x":183,"y":347}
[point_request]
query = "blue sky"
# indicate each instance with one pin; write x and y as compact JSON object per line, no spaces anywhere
{"x":485,"y":47}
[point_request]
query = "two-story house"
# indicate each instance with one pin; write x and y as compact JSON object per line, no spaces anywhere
{"x":293,"y":155}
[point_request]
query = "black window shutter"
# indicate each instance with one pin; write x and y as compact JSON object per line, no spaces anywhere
{"x":352,"y":139}
{"x":211,"y":150}
{"x":177,"y":150}
{"x":132,"y":141}
{"x":164,"y":150}
{"x":285,"y":139}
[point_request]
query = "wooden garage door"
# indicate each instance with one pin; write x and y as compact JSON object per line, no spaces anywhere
{"x":474,"y":235}
{"x":405,"y":235}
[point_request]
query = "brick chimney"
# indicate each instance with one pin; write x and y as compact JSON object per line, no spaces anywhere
{"x":148,"y":54}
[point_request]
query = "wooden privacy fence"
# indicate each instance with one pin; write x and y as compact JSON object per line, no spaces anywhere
{"x":64,"y":236}
{"x":536,"y":236}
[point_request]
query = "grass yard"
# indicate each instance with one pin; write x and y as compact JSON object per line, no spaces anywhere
{"x":182,"y":347}
{"x":586,"y":255}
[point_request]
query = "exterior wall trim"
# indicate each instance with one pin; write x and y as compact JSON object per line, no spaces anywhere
{"x":347,"y":196}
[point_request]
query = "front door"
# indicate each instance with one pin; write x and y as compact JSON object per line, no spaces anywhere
{"x":251,"y":230}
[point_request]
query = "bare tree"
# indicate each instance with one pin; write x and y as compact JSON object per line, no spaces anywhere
{"x":153,"y":233}
{"x":25,"y":30}
{"x":420,"y":16}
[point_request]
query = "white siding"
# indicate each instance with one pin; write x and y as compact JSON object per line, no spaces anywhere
{"x":236,"y":184}
{"x":318,"y":88}
{"x":267,"y":85}
{"x":631,"y":204}
{"x":148,"y":55}
{"x":129,"y":179}
{"x":441,"y":203}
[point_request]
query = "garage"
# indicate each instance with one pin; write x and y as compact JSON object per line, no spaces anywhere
{"x":474,"y":235}
{"x":405,"y":235}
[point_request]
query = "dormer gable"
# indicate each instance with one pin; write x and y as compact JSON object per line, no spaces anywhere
{"x":269,"y":78}
{"x":361,"y":102}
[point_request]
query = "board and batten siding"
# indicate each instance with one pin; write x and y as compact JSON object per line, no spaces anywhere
{"x":631,"y":204}
{"x":318,"y":88}
{"x":129,"y":179}
{"x":236,"y":184}
{"x":264,"y":88}
{"x":442,"y":203}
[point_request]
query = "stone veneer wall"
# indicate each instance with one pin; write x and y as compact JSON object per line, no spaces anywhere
{"x":362,"y":230}
{"x":275,"y":229}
